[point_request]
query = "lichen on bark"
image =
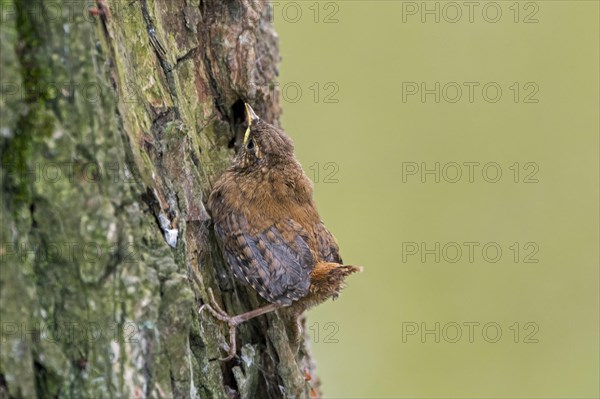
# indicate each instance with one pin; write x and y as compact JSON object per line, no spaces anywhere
{"x":116,"y":118}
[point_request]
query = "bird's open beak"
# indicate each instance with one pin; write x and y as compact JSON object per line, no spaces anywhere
{"x":250,"y":117}
{"x":250,"y":114}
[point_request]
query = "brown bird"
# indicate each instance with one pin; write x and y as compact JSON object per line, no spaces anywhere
{"x":269,"y":228}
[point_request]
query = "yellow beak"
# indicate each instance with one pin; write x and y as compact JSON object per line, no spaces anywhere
{"x":250,"y":114}
{"x":250,"y":117}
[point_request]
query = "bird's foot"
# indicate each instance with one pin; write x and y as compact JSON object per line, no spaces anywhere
{"x":220,"y":314}
{"x":233,"y":321}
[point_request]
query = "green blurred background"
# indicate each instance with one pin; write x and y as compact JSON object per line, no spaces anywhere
{"x":346,"y":73}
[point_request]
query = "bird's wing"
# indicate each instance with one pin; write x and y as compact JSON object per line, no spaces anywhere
{"x":327,"y":246}
{"x":276,"y":261}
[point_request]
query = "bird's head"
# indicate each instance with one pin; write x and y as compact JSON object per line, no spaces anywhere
{"x":264,"y":146}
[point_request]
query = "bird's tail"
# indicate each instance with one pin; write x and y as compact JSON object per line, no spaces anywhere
{"x":327,"y":278}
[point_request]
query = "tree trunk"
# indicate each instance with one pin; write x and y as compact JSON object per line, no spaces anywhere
{"x":116,"y":118}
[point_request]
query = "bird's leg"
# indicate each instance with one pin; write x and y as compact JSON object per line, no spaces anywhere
{"x":233,"y":321}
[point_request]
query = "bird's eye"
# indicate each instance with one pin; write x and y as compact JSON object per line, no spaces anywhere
{"x":250,"y":144}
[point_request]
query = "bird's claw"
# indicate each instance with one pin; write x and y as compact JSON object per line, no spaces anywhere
{"x":214,"y":308}
{"x":220,"y":314}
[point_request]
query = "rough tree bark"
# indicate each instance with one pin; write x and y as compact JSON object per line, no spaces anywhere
{"x":116,"y":118}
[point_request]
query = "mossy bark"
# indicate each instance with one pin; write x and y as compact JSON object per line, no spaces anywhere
{"x":116,"y":116}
